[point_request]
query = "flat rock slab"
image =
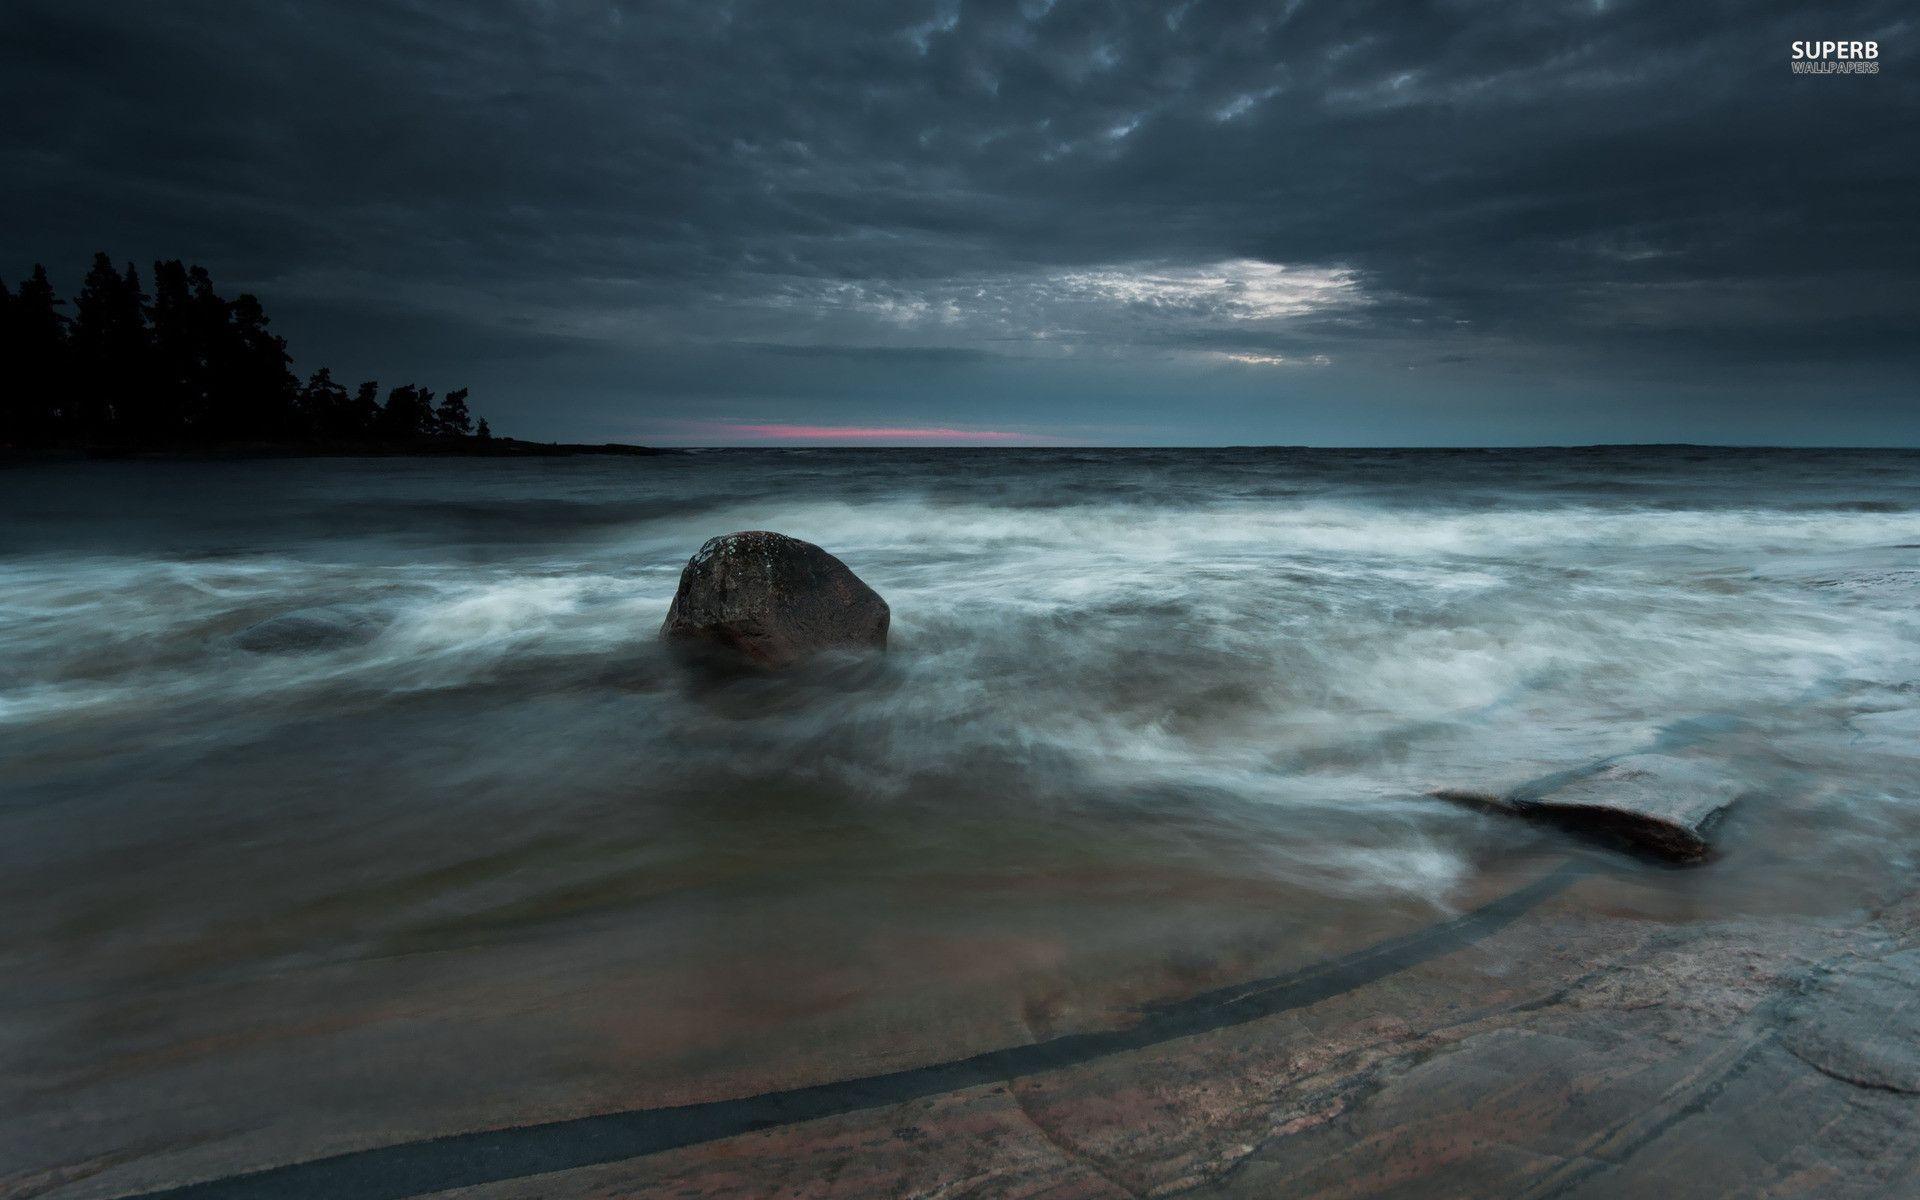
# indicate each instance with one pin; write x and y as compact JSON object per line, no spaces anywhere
{"x":1658,"y":804}
{"x":1584,"y":1051}
{"x":1572,"y":1056}
{"x":1861,"y":1024}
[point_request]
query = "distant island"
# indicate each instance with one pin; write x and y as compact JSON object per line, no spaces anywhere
{"x":185,"y":371}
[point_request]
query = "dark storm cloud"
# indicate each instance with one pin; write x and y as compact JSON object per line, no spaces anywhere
{"x":619,"y":215}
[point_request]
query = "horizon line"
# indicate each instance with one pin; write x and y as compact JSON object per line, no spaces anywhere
{"x":1024,"y":445}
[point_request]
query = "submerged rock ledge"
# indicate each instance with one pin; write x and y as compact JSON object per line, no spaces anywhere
{"x":307,"y":629}
{"x":1655,"y":803}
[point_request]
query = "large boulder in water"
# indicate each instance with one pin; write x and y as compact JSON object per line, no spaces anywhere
{"x":774,"y":600}
{"x":1657,"y":804}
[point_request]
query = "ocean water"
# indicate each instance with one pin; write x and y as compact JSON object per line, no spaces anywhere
{"x":1148,"y":720}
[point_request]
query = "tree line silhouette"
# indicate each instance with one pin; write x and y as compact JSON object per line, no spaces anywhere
{"x":183,"y":366}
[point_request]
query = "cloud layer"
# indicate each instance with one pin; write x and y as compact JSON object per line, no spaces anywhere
{"x":1090,"y":221}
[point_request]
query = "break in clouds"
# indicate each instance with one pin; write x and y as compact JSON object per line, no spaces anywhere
{"x":1195,"y":222}
{"x":1245,"y":300}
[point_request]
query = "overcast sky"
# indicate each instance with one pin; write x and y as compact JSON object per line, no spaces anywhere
{"x":919,"y":220}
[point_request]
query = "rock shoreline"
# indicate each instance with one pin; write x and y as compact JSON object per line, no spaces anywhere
{"x":775,"y":601}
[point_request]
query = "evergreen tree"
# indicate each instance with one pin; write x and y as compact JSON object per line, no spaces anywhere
{"x":184,"y":365}
{"x":325,"y":407}
{"x":109,"y":351}
{"x":206,"y":324}
{"x":408,"y":413}
{"x":253,"y":396}
{"x":36,"y":360}
{"x":452,"y":418}
{"x":365,"y":412}
{"x":13,"y":401}
{"x":178,"y":356}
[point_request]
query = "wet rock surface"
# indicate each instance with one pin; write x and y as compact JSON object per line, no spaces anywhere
{"x":774,"y":601}
{"x":1861,"y":1024}
{"x":1658,"y":804}
{"x":1601,"y":1045}
{"x":1628,"y":1058}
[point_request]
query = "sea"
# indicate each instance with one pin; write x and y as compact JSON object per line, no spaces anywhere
{"x":1149,"y":721}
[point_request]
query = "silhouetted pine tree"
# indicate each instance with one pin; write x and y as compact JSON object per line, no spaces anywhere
{"x":253,"y":393}
{"x":178,"y":357}
{"x":365,"y":414}
{"x":452,"y":418}
{"x":109,"y":351}
{"x":183,"y":366}
{"x":12,"y":403}
{"x":326,"y":409}
{"x":34,"y":363}
{"x":408,"y":413}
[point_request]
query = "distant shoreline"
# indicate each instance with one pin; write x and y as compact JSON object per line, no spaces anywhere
{"x":498,"y":447}
{"x":506,"y":447}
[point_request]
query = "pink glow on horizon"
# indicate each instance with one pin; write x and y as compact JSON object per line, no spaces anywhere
{"x":864,"y":433}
